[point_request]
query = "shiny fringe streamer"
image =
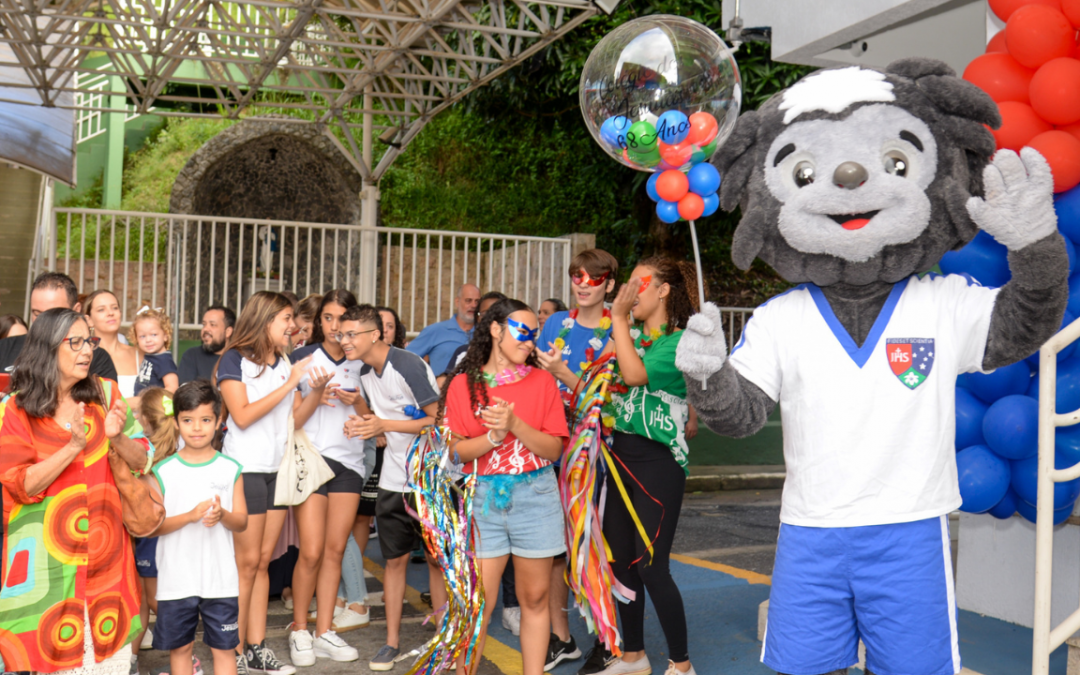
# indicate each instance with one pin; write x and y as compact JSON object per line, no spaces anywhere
{"x":445,"y":510}
{"x":589,"y":574}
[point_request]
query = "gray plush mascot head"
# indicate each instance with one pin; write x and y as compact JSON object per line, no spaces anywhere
{"x":856,"y":175}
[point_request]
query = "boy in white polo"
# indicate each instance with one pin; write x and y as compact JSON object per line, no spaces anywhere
{"x":391,"y":380}
{"x":204,"y":504}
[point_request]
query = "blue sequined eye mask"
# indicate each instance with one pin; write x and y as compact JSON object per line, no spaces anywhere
{"x":521,"y":332}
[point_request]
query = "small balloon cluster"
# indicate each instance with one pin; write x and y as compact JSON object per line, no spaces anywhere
{"x":676,"y":147}
{"x":997,"y":414}
{"x":1032,"y":70}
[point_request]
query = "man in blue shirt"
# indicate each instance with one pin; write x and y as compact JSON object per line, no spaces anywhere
{"x":438,"y":341}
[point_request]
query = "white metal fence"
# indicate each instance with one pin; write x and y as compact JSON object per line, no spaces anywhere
{"x":187,"y":263}
{"x":1047,"y":639}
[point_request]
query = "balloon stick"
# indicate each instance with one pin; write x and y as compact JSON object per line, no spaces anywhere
{"x":700,"y":282}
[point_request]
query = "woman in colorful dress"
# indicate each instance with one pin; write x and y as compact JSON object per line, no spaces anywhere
{"x":650,"y":415}
{"x":70,"y":602}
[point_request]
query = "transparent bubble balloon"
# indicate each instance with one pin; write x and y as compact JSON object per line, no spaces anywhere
{"x":661,"y":92}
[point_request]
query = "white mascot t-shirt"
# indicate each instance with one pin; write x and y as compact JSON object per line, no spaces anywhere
{"x":868,"y":432}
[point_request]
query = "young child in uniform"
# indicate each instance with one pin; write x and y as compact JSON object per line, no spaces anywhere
{"x":151,"y":331}
{"x":204,"y":504}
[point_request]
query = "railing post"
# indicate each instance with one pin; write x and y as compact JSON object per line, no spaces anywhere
{"x":369,"y":244}
{"x":1044,"y":522}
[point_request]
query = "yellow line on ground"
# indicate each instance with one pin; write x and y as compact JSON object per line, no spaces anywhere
{"x":506,"y":658}
{"x":752,"y":577}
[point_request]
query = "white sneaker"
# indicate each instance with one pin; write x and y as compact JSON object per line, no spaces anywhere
{"x":511,"y":619}
{"x":672,"y":670}
{"x":639,"y":667}
{"x":350,"y":619}
{"x":330,"y":646}
{"x":147,"y":640}
{"x":314,"y":614}
{"x":300,"y":648}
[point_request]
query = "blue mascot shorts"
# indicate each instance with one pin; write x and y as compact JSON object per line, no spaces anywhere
{"x":890,"y":585}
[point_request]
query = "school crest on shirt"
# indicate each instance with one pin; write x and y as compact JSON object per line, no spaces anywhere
{"x":910,"y":359}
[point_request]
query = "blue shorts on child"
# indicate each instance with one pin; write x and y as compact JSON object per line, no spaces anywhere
{"x":177,"y":620}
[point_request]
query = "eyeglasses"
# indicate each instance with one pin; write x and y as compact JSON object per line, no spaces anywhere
{"x":582,"y":277}
{"x":645,"y":281}
{"x":76,"y":343}
{"x":521,"y":332}
{"x":351,"y":336}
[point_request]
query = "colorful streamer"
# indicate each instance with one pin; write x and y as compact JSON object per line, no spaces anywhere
{"x":589,"y":573}
{"x":445,"y":510}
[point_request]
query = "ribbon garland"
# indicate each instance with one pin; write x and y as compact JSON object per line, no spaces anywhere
{"x":589,"y":574}
{"x":446,"y":513}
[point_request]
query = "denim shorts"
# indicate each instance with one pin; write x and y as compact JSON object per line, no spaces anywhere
{"x":530,"y":525}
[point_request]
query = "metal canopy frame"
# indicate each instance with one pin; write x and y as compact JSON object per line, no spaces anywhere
{"x":359,"y":69}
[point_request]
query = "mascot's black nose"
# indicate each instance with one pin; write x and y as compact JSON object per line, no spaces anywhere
{"x":850,"y":175}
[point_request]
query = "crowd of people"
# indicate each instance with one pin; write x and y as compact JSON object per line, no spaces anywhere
{"x":208,"y":437}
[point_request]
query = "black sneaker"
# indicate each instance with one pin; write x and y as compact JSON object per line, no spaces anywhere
{"x":559,"y":651}
{"x":261,"y":659}
{"x":598,"y":659}
{"x":417,"y":557}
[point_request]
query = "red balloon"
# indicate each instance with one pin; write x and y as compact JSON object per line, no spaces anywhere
{"x":997,"y":43}
{"x":1071,"y":10}
{"x":672,"y":185}
{"x":1036,"y":34}
{"x":1055,"y":91}
{"x":1073,"y":129}
{"x":1019,"y":124}
{"x":1005,"y":8}
{"x":676,"y":154}
{"x":1001,"y":76}
{"x":703,"y":128}
{"x":1062,"y":152}
{"x":691,"y":206}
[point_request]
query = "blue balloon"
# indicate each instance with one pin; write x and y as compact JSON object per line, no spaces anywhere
{"x":1006,"y":507}
{"x":1067,"y":205}
{"x":1024,"y":482}
{"x":613,"y":131}
{"x":983,"y":258}
{"x":1011,"y":427}
{"x":667,"y":211}
{"x":712,"y":203}
{"x":1070,"y":248}
{"x":672,"y":127}
{"x":650,"y":187}
{"x":1068,"y":385}
{"x":1067,"y":444}
{"x":970,"y":412}
{"x":984,"y":478}
{"x":1033,"y":360}
{"x":1074,"y":295}
{"x":704,"y":179}
{"x":1005,"y":381}
{"x":1028,"y":512}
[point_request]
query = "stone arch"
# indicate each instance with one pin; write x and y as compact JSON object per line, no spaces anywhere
{"x":269,"y":169}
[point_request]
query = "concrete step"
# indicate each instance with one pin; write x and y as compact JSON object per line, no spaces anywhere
{"x":735,"y":477}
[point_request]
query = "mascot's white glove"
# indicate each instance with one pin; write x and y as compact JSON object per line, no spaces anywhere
{"x":702,"y":349}
{"x":1018,"y":208}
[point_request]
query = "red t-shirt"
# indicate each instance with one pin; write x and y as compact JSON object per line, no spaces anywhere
{"x":536,"y":401}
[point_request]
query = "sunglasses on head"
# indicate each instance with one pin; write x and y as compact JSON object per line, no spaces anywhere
{"x":582,"y":277}
{"x":521,"y":332}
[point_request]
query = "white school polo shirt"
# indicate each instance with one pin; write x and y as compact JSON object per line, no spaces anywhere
{"x":868,"y":431}
{"x":196,"y":561}
{"x":406,"y":380}
{"x":260,"y":447}
{"x":326,"y":426}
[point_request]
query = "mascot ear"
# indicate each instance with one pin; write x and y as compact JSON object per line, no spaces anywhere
{"x":735,"y":160}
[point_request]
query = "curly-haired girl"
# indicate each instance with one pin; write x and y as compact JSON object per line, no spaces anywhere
{"x":152,"y":332}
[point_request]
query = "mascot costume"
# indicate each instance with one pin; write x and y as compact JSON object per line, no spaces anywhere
{"x":852,"y":183}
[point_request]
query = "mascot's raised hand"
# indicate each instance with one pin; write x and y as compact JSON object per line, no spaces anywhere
{"x":702,"y":350}
{"x":1018,"y":206}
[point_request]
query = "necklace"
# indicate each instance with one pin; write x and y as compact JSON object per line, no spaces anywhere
{"x":596,"y":342}
{"x":507,"y":376}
